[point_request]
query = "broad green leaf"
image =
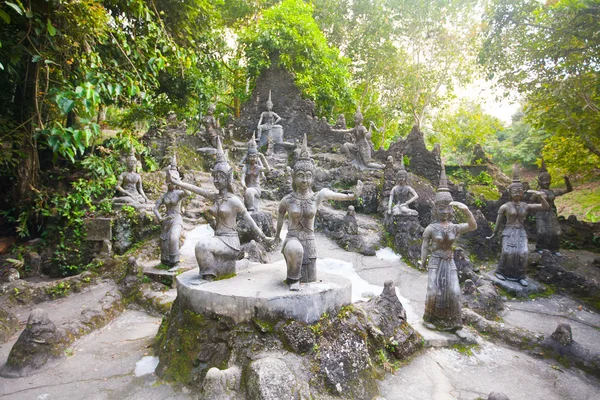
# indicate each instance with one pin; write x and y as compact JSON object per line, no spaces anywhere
{"x":5,"y":17}
{"x":51,"y":28}
{"x":15,"y":7}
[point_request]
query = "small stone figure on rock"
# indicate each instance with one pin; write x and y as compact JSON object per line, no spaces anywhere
{"x":172,"y":222}
{"x":216,"y":255}
{"x":212,"y":130}
{"x":299,"y":247}
{"x":340,"y":123}
{"x":255,"y":164}
{"x":442,"y":304}
{"x":268,"y":124}
{"x":548,"y":228}
{"x":359,"y":152}
{"x":513,"y":259}
{"x":129,"y":185}
{"x":402,"y":194}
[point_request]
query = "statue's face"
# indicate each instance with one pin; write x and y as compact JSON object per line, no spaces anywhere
{"x":444,"y":211}
{"x":516,"y":193}
{"x":358,"y":119}
{"x":131,"y":164}
{"x":402,"y":179}
{"x":544,"y":181}
{"x":220,"y":180}
{"x":252,"y":159}
{"x":303,"y":179}
{"x":269,"y":105}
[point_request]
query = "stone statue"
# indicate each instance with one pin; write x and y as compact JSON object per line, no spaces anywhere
{"x":402,"y":194}
{"x":268,"y":123}
{"x":340,"y":123}
{"x":212,"y":130}
{"x":548,"y":228}
{"x":129,"y":185}
{"x":442,"y":303}
{"x":299,"y":248}
{"x":216,"y":255}
{"x":252,"y":172}
{"x":359,"y":152}
{"x":171,"y":223}
{"x":511,"y":215}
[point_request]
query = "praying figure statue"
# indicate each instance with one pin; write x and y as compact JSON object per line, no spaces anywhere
{"x":171,"y":222}
{"x":359,"y":152}
{"x":129,"y":185}
{"x":269,"y":131}
{"x":442,"y":303}
{"x":512,"y":214}
{"x":548,"y":228}
{"x":300,"y":206}
{"x":402,"y":194}
{"x":252,"y":171}
{"x":216,"y":255}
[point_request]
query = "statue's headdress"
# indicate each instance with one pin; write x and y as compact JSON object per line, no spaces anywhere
{"x":516,"y":179}
{"x":171,"y":169}
{"x":402,"y":170}
{"x":358,"y":113}
{"x":269,"y":100}
{"x":543,"y":170}
{"x":304,"y":161}
{"x":252,"y":148}
{"x":443,"y":195}
{"x":221,"y":163}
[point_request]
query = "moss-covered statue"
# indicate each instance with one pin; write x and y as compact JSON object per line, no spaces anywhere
{"x":216,"y":255}
{"x":442,"y":303}
{"x":269,"y":131}
{"x":171,"y":222}
{"x":129,"y":184}
{"x":299,"y":247}
{"x":402,"y":194}
{"x":359,"y":152}
{"x":513,"y":259}
{"x":252,"y":172}
{"x":548,"y":228}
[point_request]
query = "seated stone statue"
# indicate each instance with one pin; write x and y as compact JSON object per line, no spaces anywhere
{"x":212,"y":130}
{"x":252,"y":172}
{"x":548,"y":228}
{"x":172,"y":222}
{"x":216,"y":255}
{"x":269,"y":131}
{"x":359,"y":152}
{"x":129,"y":185}
{"x":299,"y":247}
{"x":402,"y":194}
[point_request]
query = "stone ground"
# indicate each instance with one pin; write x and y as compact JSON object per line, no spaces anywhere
{"x":102,"y":365}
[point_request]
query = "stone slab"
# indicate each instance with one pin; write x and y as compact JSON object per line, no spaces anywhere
{"x":260,"y":292}
{"x":98,"y":228}
{"x":515,"y":288}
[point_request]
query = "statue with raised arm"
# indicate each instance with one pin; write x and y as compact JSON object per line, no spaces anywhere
{"x":129,"y":184}
{"x":548,"y":228}
{"x":252,"y":171}
{"x":402,"y":194}
{"x":171,"y":222}
{"x":442,"y":303}
{"x":299,"y":247}
{"x":359,"y":152}
{"x":512,"y":214}
{"x":268,"y":125}
{"x":216,"y":255}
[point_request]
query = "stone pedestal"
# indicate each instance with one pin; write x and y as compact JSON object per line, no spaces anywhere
{"x":515,"y":288}
{"x":262,"y":293}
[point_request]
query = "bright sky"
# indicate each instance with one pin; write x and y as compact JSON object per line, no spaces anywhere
{"x":491,"y":99}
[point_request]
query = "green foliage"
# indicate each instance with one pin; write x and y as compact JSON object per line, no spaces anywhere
{"x":548,"y":51}
{"x":288,"y":35}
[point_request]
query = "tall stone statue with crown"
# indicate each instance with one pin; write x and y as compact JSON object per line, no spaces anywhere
{"x":268,"y":128}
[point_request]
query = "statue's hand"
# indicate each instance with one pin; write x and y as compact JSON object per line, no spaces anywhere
{"x":358,"y":189}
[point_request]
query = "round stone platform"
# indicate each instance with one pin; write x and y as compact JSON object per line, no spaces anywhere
{"x":260,"y":292}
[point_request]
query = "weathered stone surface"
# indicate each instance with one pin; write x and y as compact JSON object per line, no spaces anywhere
{"x":130,"y":229}
{"x":348,"y":230}
{"x":515,"y":288}
{"x":255,"y":252}
{"x":406,"y":234}
{"x":483,"y":299}
{"x":497,"y":396}
{"x":40,"y":342}
{"x":563,"y":334}
{"x":34,"y":262}
{"x":264,"y":220}
{"x":475,"y":242}
{"x":98,"y":228}
{"x":298,"y":336}
{"x":262,"y":293}
{"x":221,"y":384}
{"x":8,"y":324}
{"x":271,"y":379}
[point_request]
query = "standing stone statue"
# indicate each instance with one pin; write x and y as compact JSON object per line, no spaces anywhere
{"x":252,"y":172}
{"x":402,"y":195}
{"x":548,"y":228}
{"x":268,"y":124}
{"x":442,"y":304}
{"x":216,"y":255}
{"x":513,"y":259}
{"x":299,"y":248}
{"x":359,"y":152}
{"x":171,"y":223}
{"x":129,"y":185}
{"x":212,"y":130}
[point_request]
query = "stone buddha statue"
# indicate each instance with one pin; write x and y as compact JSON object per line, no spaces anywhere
{"x":402,"y":194}
{"x":129,"y":184}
